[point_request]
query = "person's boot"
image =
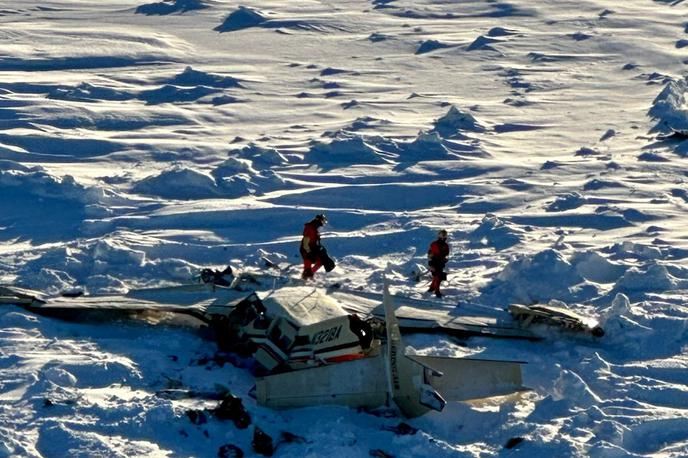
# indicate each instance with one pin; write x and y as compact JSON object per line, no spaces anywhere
{"x":438,"y":294}
{"x":307,"y":274}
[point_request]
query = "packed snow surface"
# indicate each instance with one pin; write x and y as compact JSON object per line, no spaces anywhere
{"x":144,"y":140}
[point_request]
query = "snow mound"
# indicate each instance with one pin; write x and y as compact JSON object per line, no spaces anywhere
{"x":236,"y":177}
{"x":500,"y":32}
{"x":16,"y":319}
{"x":191,"y":77}
{"x":654,"y":277}
{"x":6,"y":165}
{"x":455,"y":121}
{"x":32,"y":194}
{"x":51,"y":281}
{"x":242,"y":18}
{"x":482,"y":43}
{"x":174,"y":94}
{"x":670,"y":108}
{"x":632,"y":250}
{"x":584,"y":151}
{"x":344,"y":150}
{"x":376,"y":37}
{"x":430,"y":45}
{"x":368,"y":122}
{"x":595,"y":267}
{"x":429,"y":146}
{"x":89,"y":92}
{"x":170,"y":7}
{"x":575,"y":390}
{"x":567,"y":201}
{"x":621,"y":325}
{"x":495,"y":233}
{"x":108,"y":252}
{"x":59,"y":377}
{"x":36,"y":181}
{"x":329,"y":71}
{"x":260,"y":157}
{"x":178,"y":183}
{"x":539,"y":278}
{"x":233,"y":166}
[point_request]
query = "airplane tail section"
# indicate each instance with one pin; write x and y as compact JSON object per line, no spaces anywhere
{"x":409,"y":382}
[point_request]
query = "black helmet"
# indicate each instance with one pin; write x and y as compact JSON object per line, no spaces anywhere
{"x":321,"y":218}
{"x":442,"y":234}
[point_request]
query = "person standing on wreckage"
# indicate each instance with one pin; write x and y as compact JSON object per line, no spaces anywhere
{"x":313,"y":253}
{"x":437,"y":259}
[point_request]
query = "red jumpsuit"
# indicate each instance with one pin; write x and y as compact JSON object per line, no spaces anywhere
{"x":310,"y":248}
{"x":437,"y":258}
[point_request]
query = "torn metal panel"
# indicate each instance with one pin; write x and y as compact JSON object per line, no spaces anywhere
{"x":555,"y":316}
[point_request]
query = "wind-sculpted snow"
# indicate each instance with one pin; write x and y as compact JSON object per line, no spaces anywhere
{"x":544,"y":276}
{"x":191,"y":77}
{"x":32,"y":195}
{"x":171,"y":7}
{"x":495,"y":233}
{"x":145,"y":140}
{"x":169,"y":94}
{"x":348,"y":148}
{"x":108,"y":48}
{"x":430,"y":45}
{"x":670,"y":108}
{"x":60,"y":147}
{"x":242,"y":18}
{"x":245,"y":18}
{"x":178,"y":183}
{"x":454,"y":121}
{"x":189,"y":85}
{"x":443,"y":10}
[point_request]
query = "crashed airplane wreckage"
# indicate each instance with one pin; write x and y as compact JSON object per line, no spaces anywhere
{"x":312,"y":350}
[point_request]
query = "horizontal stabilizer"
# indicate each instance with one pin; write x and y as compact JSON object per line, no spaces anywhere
{"x":465,"y":379}
{"x":359,"y":383}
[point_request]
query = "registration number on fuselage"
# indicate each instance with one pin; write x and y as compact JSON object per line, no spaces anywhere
{"x":326,"y":335}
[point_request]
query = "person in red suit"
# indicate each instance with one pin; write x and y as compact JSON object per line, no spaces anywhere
{"x":437,"y":259}
{"x":310,"y":248}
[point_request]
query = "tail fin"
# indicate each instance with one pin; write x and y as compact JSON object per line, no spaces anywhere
{"x":407,"y":380}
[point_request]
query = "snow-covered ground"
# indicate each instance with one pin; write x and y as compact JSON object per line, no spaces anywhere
{"x":142,"y":141}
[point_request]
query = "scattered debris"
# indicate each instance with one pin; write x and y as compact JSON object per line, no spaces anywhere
{"x":555,"y":316}
{"x":232,"y":408}
{"x":289,"y":438}
{"x":513,"y":442}
{"x":262,"y":442}
{"x":197,"y":417}
{"x":402,"y":429}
